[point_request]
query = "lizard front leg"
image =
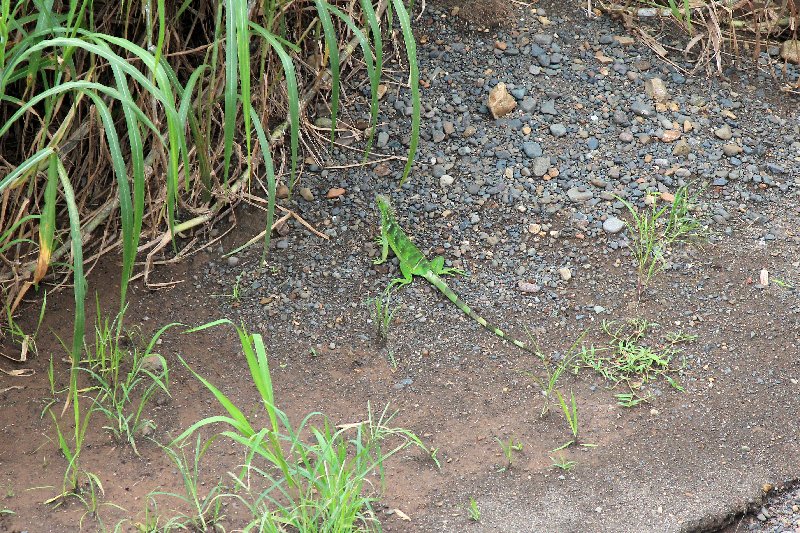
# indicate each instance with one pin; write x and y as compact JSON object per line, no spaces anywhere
{"x":438,"y":268}
{"x":383,"y":242}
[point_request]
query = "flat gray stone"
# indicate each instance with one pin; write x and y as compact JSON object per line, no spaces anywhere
{"x":558,"y":130}
{"x":577,"y":195}
{"x":613,"y":225}
{"x":540,"y":166}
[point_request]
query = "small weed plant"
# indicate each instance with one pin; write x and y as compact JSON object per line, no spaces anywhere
{"x":382,"y":313}
{"x":553,"y":371}
{"x":123,"y":395}
{"x":563,"y":463}
{"x":205,"y":506}
{"x":630,"y":399}
{"x":632,"y":358}
{"x":570,"y":415}
{"x":18,"y":337}
{"x":655,"y":229}
{"x":474,"y":511}
{"x":509,"y":448}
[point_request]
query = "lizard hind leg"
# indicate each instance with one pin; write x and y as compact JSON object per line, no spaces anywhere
{"x":408,"y":276}
{"x":437,"y":266}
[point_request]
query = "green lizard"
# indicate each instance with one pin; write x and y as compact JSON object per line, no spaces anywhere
{"x":413,"y":263}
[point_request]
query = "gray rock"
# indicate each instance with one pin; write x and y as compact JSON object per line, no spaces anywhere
{"x":558,"y":130}
{"x":446,"y":181}
{"x":540,"y":166}
{"x":548,"y":107}
{"x":642,"y":109}
{"x":527,"y":105}
{"x":403,"y":383}
{"x":577,"y":195}
{"x":724,"y":133}
{"x":383,"y":139}
{"x":613,"y":225}
{"x":621,"y":119}
{"x":532,"y":149}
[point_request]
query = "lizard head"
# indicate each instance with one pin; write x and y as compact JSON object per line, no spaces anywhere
{"x":384,"y":205}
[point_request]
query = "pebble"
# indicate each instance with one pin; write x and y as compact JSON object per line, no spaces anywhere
{"x":732,"y":149}
{"x":577,"y":195}
{"x":500,"y":102}
{"x":558,"y":130}
{"x":681,"y":149}
{"x":642,"y":109}
{"x":540,"y":166}
{"x":565,"y":273}
{"x":532,"y":149}
{"x":613,"y":225}
{"x":724,"y":133}
{"x":306,"y":194}
{"x":382,"y":140}
{"x":548,"y":107}
{"x":656,"y":89}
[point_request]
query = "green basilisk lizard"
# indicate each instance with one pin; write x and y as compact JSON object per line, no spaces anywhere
{"x":413,"y":263}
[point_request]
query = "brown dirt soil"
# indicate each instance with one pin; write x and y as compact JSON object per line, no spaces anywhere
{"x":482,"y":13}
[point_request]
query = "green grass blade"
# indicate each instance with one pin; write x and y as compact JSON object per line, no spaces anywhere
{"x":243,"y":52}
{"x":333,"y":53}
{"x":413,"y":75}
{"x":240,"y":422}
{"x":375,"y":76}
{"x":29,"y":166}
{"x":293,"y":93}
{"x":130,"y":235}
{"x":231,"y":84}
{"x":271,"y":182}
{"x":372,"y":74}
{"x":47,"y":222}
{"x":77,"y":264}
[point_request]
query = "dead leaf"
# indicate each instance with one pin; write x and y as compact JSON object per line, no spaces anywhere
{"x":402,"y":515}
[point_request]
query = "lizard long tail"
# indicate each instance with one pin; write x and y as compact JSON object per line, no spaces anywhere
{"x":439,"y":283}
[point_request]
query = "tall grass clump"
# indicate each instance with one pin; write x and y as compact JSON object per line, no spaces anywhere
{"x":125,"y":124}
